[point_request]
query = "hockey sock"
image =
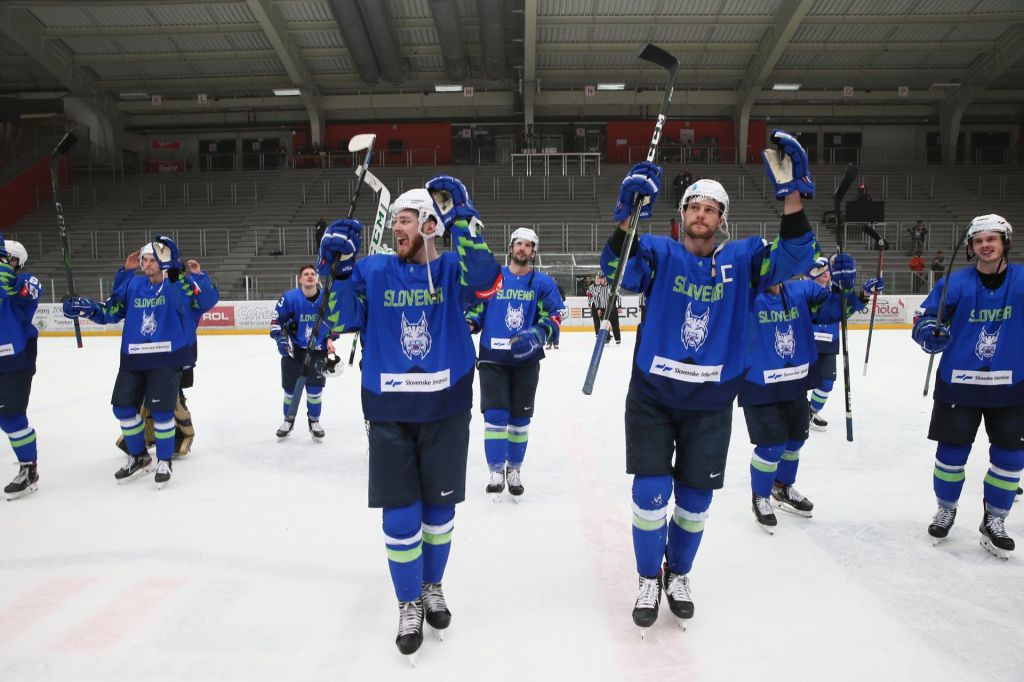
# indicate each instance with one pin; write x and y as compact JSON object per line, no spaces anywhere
{"x":790,"y":462}
{"x":763,"y":465}
{"x":948,"y":477}
{"x":496,"y":438}
{"x":403,"y":539}
{"x":651,"y":496}
{"x":518,"y":436}
{"x":820,"y":395}
{"x":438,"y":523}
{"x":164,"y":428}
{"x":687,"y":526}
{"x":314,"y":397}
{"x":21,"y":435}
{"x":1002,"y":479}
{"x":131,"y":428}
{"x":287,"y":403}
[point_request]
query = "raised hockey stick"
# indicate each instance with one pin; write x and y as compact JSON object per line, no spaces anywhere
{"x":837,"y":200}
{"x":357,"y":143}
{"x":655,"y":55}
{"x":377,"y":237}
{"x":881,"y":245}
{"x":942,"y":306}
{"x":66,"y":143}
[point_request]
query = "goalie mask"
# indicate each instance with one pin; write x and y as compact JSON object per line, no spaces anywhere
{"x":419,"y":201}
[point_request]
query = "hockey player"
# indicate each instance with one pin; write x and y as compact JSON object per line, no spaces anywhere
{"x":19,"y":298}
{"x":689,"y":360}
{"x":782,"y":364}
{"x":158,"y":340}
{"x":515,"y":325}
{"x":826,"y":338}
{"x":292,"y":329}
{"x":980,"y":376}
{"x":417,"y":379}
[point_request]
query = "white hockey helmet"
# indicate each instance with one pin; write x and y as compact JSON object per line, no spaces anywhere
{"x":524,"y":233}
{"x":705,"y":189}
{"x":420,"y":201}
{"x":984,"y":223}
{"x":17,"y":250}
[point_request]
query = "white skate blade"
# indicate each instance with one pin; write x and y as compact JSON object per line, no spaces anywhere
{"x":516,"y":498}
{"x":437,"y":633}
{"x":317,"y":439}
{"x":938,"y":541}
{"x":495,"y":497}
{"x":413,"y":658}
{"x":643,"y":632}
{"x":815,"y":427}
{"x":993,"y":550}
{"x":31,"y":489}
{"x":782,"y":506}
{"x":767,"y":529}
{"x":148,"y":469}
{"x":160,"y":486}
{"x":681,"y":622}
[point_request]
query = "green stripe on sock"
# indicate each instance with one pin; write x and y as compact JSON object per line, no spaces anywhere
{"x":764,"y":466}
{"x":1000,"y":483}
{"x":952,"y":476}
{"x":688,"y":526}
{"x":24,"y":441}
{"x":440,"y":539}
{"x":518,"y":437}
{"x":163,"y":435}
{"x":791,"y":456}
{"x":644,"y":524}
{"x":134,"y":431}
{"x":404,"y":556}
{"x":495,"y":435}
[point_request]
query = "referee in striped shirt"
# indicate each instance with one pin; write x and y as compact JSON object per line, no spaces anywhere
{"x":597,"y":295}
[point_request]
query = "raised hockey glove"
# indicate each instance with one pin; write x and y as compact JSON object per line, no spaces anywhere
{"x":166,"y":253}
{"x":874,"y":284}
{"x":844,"y":270}
{"x":787,"y":166}
{"x":644,"y":179}
{"x":931,"y":336}
{"x":451,"y":200}
{"x":284,"y":346}
{"x":79,"y":306}
{"x":341,"y":240}
{"x":526,"y":342}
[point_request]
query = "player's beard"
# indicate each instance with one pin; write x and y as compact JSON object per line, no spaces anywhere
{"x":519,"y":260}
{"x":411,"y":250}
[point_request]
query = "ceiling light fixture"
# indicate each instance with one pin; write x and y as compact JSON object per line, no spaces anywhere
{"x":611,"y":86}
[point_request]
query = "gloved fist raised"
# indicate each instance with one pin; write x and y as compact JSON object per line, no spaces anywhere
{"x":787,"y":166}
{"x":874,"y":284}
{"x":643,"y":179}
{"x":341,"y":241}
{"x":79,"y":306}
{"x":526,"y":342}
{"x":451,"y":200}
{"x":931,"y":336}
{"x":844,"y":270}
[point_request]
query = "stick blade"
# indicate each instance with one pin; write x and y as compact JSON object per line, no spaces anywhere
{"x":361,"y":142}
{"x":67,"y":142}
{"x":655,"y":55}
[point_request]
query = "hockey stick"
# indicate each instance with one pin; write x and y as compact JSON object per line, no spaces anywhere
{"x":377,"y":238}
{"x":837,"y":200}
{"x":655,"y":55}
{"x":357,"y":143}
{"x":66,"y":143}
{"x":881,"y":245}
{"x":942,"y":306}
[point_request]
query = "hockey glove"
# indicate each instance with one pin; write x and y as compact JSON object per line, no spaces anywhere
{"x":166,"y":253}
{"x":931,"y":336}
{"x":79,"y":306}
{"x":644,"y":179}
{"x":451,"y":200}
{"x":874,"y":284}
{"x":284,"y":346}
{"x":526,"y":342}
{"x":341,"y":241}
{"x":28,"y":286}
{"x":844,"y":270}
{"x":787,"y":167}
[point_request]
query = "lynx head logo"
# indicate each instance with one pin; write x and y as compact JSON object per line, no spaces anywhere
{"x":695,"y":328}
{"x":514,"y":317}
{"x":148,"y":327}
{"x":415,"y":337}
{"x":986,"y":346}
{"x":785,"y":344}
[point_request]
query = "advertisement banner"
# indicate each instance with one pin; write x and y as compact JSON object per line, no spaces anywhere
{"x":165,"y":144}
{"x":218,"y":316}
{"x":165,"y":166}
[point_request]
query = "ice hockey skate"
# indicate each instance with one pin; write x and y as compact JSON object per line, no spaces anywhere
{"x":786,"y":498}
{"x":315,"y":430}
{"x":163,"y":473}
{"x":648,"y":601}
{"x":763,"y":514}
{"x":515,"y":483}
{"x":993,"y":536}
{"x":133,"y":468}
{"x":285,"y":428}
{"x":27,"y":481}
{"x":941,"y":523}
{"x":435,"y":609}
{"x":496,"y":486}
{"x":410,"y":629}
{"x":817,"y":423}
{"x":677,"y":592}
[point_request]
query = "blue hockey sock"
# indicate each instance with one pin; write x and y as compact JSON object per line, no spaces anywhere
{"x":496,"y":438}
{"x":438,"y":523}
{"x":687,"y":526}
{"x":763,"y":465}
{"x":132,"y":429}
{"x":948,"y":475}
{"x":163,"y":429}
{"x":1002,"y":479}
{"x":651,"y":496}
{"x":518,"y":436}
{"x":820,"y":395}
{"x":21,"y":435}
{"x":790,"y":462}
{"x":403,"y":539}
{"x":314,"y":398}
{"x":287,"y":403}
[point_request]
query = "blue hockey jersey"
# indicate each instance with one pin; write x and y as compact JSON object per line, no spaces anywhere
{"x":690,"y":344}
{"x":294,"y":316}
{"x":984,"y":364}
{"x":418,"y":358}
{"x":524,"y":301}
{"x":826,"y":336}
{"x":19,"y":298}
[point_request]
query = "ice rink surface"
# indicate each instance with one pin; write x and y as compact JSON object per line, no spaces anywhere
{"x":261,"y":561}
